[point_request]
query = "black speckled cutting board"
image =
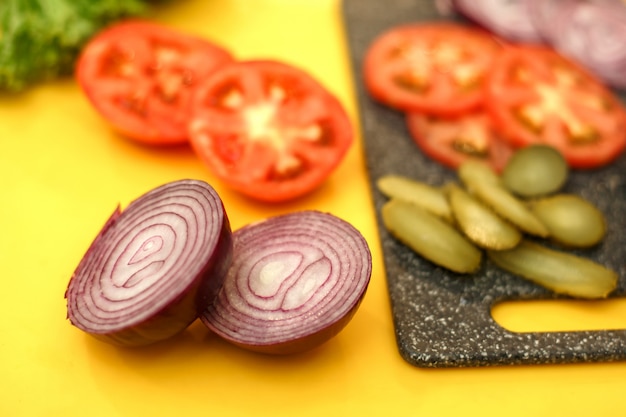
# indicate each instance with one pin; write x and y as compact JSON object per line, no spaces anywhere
{"x":442,"y":319}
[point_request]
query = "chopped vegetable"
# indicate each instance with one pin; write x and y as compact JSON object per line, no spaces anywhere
{"x":492,"y":218}
{"x":41,"y":39}
{"x":268,"y":129}
{"x":551,"y":113}
{"x":426,"y":196}
{"x":437,"y":68}
{"x":535,"y":95}
{"x":506,"y":205}
{"x":507,"y":18}
{"x":473,"y":172}
{"x":571,"y":220}
{"x":480,"y":224}
{"x":140,"y":76}
{"x":296,"y":280}
{"x":154,"y":267}
{"x":548,"y":16}
{"x":562,"y":272}
{"x":593,"y":32}
{"x":454,"y":140}
{"x":469,"y":95}
{"x":535,"y":171}
{"x":431,"y":237}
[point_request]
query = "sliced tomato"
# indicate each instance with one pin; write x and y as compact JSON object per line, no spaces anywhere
{"x":451,"y":141}
{"x":140,"y":76}
{"x":268,"y":129}
{"x":437,"y":68}
{"x":536,"y":95}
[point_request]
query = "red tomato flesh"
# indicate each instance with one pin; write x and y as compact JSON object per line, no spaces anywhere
{"x":451,"y":141}
{"x":436,"y":68}
{"x":535,"y":95}
{"x":140,"y":76}
{"x":268,"y":129}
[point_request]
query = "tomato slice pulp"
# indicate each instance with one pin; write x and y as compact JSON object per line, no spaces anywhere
{"x":140,"y":76}
{"x":268,"y":129}
{"x":535,"y":95}
{"x":436,"y":68}
{"x":451,"y":141}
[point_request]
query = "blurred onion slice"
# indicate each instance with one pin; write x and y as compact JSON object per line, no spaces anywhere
{"x":506,"y":18}
{"x":594,"y":33}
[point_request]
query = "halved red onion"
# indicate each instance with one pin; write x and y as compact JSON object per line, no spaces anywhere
{"x":507,"y":18}
{"x":154,"y":267}
{"x":295,"y":282}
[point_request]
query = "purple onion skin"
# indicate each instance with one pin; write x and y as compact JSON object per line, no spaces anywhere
{"x":241,"y":314}
{"x":200,"y":281}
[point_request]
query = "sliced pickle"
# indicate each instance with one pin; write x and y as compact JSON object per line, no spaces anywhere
{"x":534,"y":171}
{"x":571,"y":220}
{"x":426,"y":196}
{"x":509,"y":207}
{"x":471,"y":172}
{"x":430,"y":236}
{"x":480,"y":224}
{"x":561,"y":272}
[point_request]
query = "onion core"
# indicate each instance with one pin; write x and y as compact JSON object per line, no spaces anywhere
{"x":296,"y":280}
{"x":153,"y":267}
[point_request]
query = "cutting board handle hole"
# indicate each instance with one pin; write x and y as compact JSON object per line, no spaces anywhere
{"x":523,"y":316}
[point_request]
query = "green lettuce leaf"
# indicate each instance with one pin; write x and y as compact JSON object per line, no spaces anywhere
{"x":41,"y":39}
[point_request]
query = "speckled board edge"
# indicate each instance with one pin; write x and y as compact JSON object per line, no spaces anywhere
{"x":442,"y":319}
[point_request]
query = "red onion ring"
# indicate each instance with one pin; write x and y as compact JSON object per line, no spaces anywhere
{"x":506,"y":18}
{"x":295,"y":282}
{"x":153,"y":267}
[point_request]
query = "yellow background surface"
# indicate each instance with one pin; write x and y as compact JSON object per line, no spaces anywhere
{"x":63,"y":171}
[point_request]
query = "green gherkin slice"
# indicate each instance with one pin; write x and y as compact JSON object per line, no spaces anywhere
{"x":509,"y":207}
{"x":571,"y":220}
{"x":471,"y":172}
{"x":484,"y":183}
{"x":424,"y":195}
{"x":561,"y":272}
{"x":430,"y":236}
{"x":481,"y":224}
{"x":534,"y":171}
